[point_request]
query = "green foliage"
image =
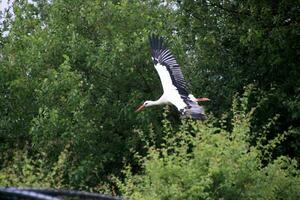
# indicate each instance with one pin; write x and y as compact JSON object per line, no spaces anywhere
{"x":72,"y":73}
{"x":202,"y":162}
{"x":231,"y":46}
{"x":24,"y":171}
{"x":69,"y":74}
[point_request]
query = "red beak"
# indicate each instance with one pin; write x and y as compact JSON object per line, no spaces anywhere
{"x":140,"y":108}
{"x":202,"y":99}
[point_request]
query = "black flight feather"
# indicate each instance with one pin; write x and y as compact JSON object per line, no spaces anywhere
{"x":162,"y":55}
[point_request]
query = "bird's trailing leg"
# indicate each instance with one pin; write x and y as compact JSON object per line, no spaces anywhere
{"x":202,"y":99}
{"x":198,"y":99}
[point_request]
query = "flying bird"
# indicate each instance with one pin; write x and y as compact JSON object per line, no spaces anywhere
{"x":173,"y":83}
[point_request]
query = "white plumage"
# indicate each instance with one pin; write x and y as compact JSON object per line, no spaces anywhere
{"x":173,"y":83}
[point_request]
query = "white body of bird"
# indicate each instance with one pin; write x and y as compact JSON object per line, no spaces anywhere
{"x":173,"y":83}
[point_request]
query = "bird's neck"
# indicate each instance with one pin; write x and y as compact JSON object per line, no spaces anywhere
{"x":159,"y":101}
{"x":154,"y":103}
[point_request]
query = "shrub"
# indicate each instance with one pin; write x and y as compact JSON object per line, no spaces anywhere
{"x":200,"y":161}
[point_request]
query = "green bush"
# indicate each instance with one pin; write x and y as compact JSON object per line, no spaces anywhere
{"x":23,"y":171}
{"x":203,"y":162}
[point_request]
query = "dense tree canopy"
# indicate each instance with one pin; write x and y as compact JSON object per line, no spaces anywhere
{"x":72,"y":73}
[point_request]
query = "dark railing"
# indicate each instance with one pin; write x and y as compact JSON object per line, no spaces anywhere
{"x":12,"y":193}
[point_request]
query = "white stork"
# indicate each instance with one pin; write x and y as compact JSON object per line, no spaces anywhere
{"x":173,"y":83}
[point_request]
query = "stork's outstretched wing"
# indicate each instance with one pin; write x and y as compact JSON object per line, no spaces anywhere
{"x":166,"y":65}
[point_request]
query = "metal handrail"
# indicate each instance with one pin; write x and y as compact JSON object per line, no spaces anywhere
{"x":50,"y":194}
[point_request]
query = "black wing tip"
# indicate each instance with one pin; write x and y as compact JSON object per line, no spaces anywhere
{"x":199,"y":116}
{"x":193,"y":110}
{"x":195,"y":116}
{"x":156,"y":42}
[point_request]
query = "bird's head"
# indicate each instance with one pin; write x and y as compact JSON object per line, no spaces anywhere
{"x":144,"y":105}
